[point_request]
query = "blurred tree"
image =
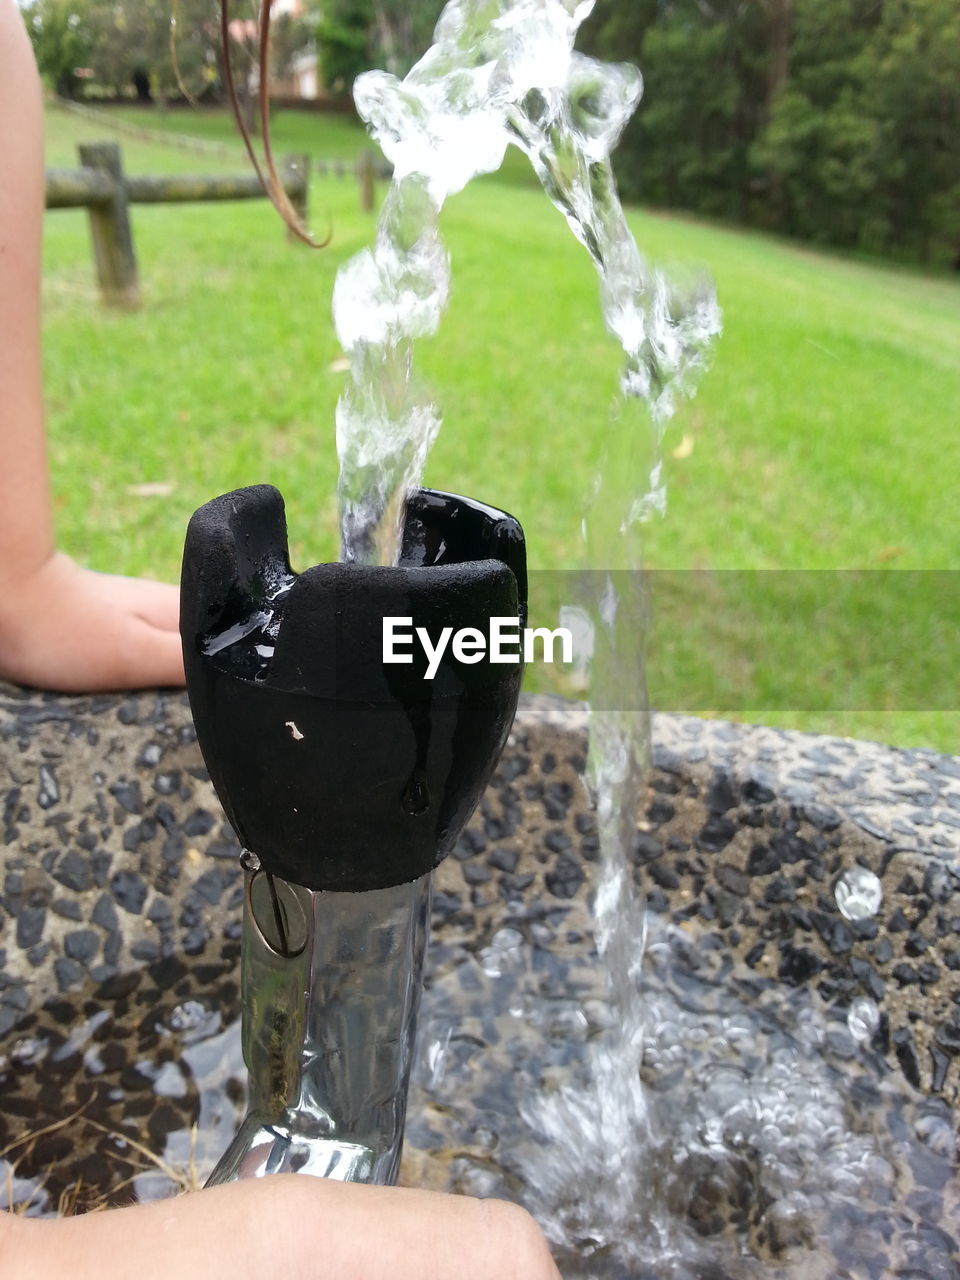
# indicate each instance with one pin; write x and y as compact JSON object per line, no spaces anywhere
{"x":402,"y":31}
{"x":125,"y":42}
{"x":864,"y":146}
{"x":61,"y":42}
{"x":836,"y":120}
{"x":355,"y":35}
{"x":778,"y":15}
{"x":344,"y":41}
{"x":911,"y":90}
{"x":705,"y":91}
{"x":129,"y":45}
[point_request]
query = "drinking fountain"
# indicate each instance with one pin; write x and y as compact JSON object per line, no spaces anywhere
{"x":347,"y":781}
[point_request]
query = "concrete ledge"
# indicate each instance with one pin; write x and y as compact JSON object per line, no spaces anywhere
{"x":120,"y":883}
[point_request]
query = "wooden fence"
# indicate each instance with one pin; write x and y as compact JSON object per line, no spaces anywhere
{"x":101,"y":187}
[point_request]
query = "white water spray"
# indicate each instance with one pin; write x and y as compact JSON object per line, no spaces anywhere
{"x":501,"y":72}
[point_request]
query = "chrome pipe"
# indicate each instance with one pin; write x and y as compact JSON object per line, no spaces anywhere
{"x":330,"y":994}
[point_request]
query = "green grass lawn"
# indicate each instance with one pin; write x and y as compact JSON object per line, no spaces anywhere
{"x":325,"y":137}
{"x":823,"y":438}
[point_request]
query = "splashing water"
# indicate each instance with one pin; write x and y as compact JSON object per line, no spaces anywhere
{"x":501,"y":72}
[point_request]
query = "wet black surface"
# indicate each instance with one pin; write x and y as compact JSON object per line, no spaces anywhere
{"x":120,"y":908}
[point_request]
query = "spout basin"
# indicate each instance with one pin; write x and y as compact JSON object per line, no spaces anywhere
{"x":338,"y":770}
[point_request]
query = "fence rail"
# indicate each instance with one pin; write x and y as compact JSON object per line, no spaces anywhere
{"x":101,"y":187}
{"x":78,"y":188}
{"x":73,"y":189}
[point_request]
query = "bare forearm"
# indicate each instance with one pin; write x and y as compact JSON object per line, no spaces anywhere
{"x":291,"y":1227}
{"x":26,"y":535}
{"x":61,"y":627}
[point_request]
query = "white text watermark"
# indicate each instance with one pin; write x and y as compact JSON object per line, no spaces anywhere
{"x":505,"y":642}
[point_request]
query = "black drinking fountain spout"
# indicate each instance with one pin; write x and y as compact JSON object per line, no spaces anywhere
{"x":347,"y":780}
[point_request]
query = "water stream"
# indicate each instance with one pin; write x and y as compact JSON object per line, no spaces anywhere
{"x":505,"y":72}
{"x":499,"y":72}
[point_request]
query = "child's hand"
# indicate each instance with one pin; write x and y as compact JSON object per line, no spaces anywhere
{"x":285,"y":1228}
{"x":76,"y":631}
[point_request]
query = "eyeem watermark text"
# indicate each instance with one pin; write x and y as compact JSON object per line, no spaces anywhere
{"x":505,"y":642}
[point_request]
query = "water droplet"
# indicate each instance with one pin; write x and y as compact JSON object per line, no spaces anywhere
{"x":194,"y":1021}
{"x":28,"y":1052}
{"x":504,"y":954}
{"x":859,"y":894}
{"x":863,"y":1018}
{"x":436,"y":1058}
{"x":416,"y":798}
{"x":935,"y":1132}
{"x":49,"y":792}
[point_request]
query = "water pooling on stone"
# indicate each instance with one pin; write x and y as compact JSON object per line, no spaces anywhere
{"x":753,"y":973}
{"x":863,"y":1020}
{"x":779,"y":1143}
{"x":859,"y":894}
{"x":791,"y":1150}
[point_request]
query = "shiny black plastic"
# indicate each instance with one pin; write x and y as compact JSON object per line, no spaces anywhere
{"x":340,"y":771}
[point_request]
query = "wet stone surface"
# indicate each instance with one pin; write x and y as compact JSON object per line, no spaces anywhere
{"x":120,"y":1070}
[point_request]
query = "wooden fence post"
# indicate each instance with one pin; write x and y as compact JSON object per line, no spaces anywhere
{"x":365,"y":175}
{"x":110,"y":229}
{"x":298,"y":166}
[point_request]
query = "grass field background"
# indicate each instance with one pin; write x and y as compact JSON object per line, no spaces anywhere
{"x":824,"y":437}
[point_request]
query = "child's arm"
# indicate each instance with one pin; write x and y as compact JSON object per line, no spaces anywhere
{"x":61,"y":627}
